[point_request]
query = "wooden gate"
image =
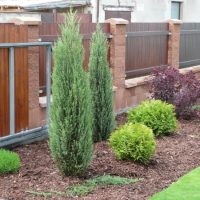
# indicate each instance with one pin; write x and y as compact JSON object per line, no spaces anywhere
{"x":11,"y":33}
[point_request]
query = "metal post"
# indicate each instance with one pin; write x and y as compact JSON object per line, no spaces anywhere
{"x":48,"y":80}
{"x":12,"y":90}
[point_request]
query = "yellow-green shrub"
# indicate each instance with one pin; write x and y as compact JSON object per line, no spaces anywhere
{"x":157,"y":115}
{"x":133,"y":142}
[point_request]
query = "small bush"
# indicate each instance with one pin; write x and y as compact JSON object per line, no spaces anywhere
{"x":181,"y":90}
{"x":9,"y":162}
{"x":157,"y":115}
{"x":133,"y":142}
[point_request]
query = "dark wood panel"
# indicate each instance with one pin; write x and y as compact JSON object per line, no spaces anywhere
{"x":190,"y":45}
{"x":146,"y":48}
{"x":59,"y":17}
{"x":118,"y":14}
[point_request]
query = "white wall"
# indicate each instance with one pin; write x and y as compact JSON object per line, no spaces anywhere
{"x":151,"y":10}
{"x":7,"y":17}
{"x":107,"y":3}
{"x":191,"y":11}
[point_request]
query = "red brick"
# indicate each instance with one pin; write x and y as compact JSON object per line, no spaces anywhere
{"x":173,"y":44}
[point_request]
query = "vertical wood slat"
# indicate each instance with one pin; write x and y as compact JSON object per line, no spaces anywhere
{"x":4,"y":85}
{"x":11,"y":33}
{"x":190,"y":45}
{"x":145,"y":52}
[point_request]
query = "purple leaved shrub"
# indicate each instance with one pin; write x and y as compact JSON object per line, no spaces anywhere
{"x":181,"y":90}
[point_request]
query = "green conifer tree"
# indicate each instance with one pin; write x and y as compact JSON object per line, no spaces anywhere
{"x":70,"y":128}
{"x":101,"y":87}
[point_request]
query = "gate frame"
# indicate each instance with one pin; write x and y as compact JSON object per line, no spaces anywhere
{"x":11,"y":47}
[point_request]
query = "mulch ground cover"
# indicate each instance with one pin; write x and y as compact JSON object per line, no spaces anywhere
{"x":175,"y":155}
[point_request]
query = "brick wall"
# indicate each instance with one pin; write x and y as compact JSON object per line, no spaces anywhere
{"x":174,"y":43}
{"x":36,"y":113}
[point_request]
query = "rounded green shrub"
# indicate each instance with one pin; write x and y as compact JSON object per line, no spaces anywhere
{"x":157,"y":115}
{"x":133,"y":142}
{"x":9,"y":162}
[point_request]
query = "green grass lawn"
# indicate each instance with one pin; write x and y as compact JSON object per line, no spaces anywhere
{"x":186,"y":188}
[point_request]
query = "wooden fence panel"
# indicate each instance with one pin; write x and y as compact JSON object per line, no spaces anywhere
{"x":4,"y":86}
{"x":11,"y":33}
{"x":146,"y":47}
{"x":190,"y":45}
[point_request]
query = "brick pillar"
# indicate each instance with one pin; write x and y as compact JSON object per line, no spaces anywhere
{"x":117,"y":59}
{"x":174,"y":43}
{"x":35,"y":112}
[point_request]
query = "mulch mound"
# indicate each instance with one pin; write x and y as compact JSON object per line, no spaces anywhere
{"x":176,"y":155}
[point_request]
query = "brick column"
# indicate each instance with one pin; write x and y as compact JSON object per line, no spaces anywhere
{"x":117,"y":59}
{"x":36,"y":114}
{"x":174,"y":43}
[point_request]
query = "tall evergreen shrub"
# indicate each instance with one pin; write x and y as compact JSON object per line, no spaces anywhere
{"x":70,"y":115}
{"x":101,"y":86}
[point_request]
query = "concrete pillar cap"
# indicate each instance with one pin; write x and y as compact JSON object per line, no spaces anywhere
{"x":175,"y":21}
{"x":117,"y":21}
{"x":24,"y":20}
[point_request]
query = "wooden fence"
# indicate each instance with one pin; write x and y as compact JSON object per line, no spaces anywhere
{"x":11,"y":33}
{"x":146,"y":47}
{"x":49,"y":32}
{"x":190,"y":45}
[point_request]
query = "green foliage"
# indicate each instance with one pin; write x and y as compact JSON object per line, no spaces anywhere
{"x":9,"y":162}
{"x":111,"y":180}
{"x":196,"y":107}
{"x":87,"y":187}
{"x":42,"y":194}
{"x":47,"y":194}
{"x":133,"y":142}
{"x":80,"y":189}
{"x":157,"y":115}
{"x":70,"y":127}
{"x":101,"y":87}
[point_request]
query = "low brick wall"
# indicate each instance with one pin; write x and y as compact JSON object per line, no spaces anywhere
{"x":137,"y":89}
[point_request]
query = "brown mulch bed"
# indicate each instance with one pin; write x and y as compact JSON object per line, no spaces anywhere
{"x":176,"y":155}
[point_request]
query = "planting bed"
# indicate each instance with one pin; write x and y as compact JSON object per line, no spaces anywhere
{"x":175,"y":155}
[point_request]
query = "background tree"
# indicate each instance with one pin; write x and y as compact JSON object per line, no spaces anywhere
{"x":70,"y":128}
{"x":101,"y":86}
